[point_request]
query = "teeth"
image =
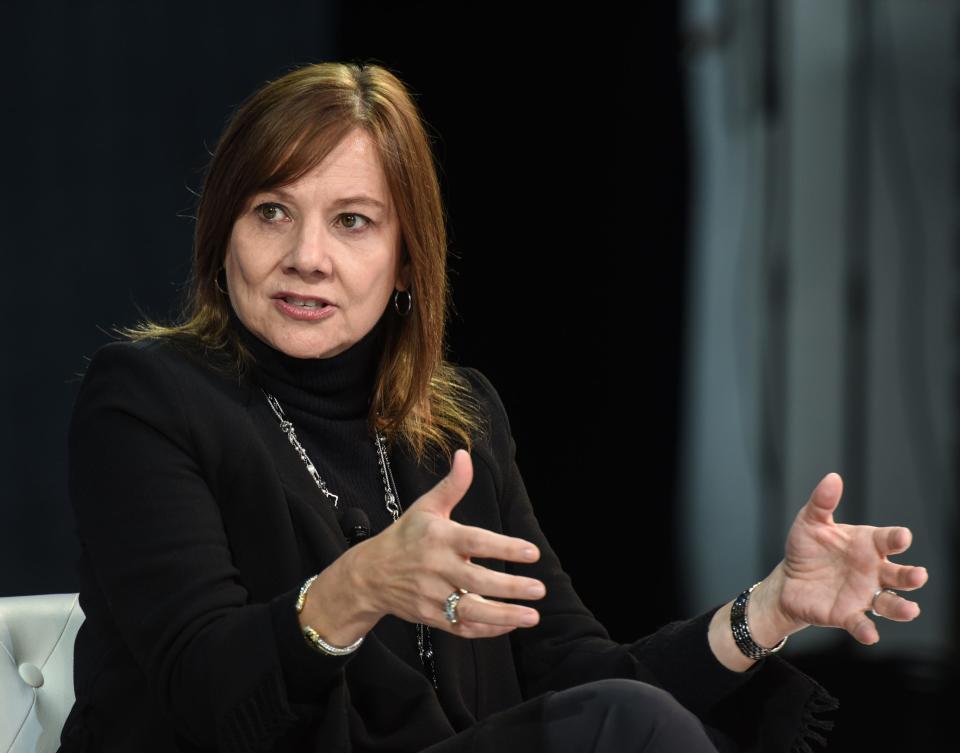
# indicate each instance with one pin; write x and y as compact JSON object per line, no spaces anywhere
{"x":304,"y":304}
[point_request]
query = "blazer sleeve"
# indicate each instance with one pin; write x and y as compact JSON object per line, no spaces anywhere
{"x":570,"y":646}
{"x":222,"y":669}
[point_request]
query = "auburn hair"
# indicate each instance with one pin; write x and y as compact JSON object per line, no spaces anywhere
{"x":275,"y":136}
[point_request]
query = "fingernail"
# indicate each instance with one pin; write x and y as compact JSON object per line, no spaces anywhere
{"x":530,"y":619}
{"x":530,"y":553}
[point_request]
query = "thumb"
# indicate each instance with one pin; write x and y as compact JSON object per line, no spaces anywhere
{"x":445,"y":495}
{"x":824,"y":500}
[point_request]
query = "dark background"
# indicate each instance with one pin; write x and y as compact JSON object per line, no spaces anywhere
{"x":564,"y":148}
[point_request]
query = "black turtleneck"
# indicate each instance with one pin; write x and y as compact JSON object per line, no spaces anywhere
{"x":327,"y":400}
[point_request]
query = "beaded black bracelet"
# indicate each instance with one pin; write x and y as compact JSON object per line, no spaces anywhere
{"x":741,"y":630}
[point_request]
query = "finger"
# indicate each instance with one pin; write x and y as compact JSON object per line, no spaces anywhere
{"x":895,"y":607}
{"x":476,"y":609}
{"x":482,"y":580}
{"x":472,"y":541}
{"x":824,"y":499}
{"x":862,"y":628}
{"x":892,"y":539}
{"x":467,"y":626}
{"x":902,"y":577}
{"x":467,"y":629}
{"x":445,"y":495}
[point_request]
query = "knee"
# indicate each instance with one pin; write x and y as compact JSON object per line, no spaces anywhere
{"x":630,"y":695}
{"x":649,"y":710}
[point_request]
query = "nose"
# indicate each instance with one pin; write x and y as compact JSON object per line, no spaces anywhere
{"x":311,"y":250}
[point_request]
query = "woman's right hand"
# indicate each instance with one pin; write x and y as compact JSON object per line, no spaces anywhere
{"x":410,"y":568}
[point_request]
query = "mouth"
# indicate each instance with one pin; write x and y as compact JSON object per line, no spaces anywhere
{"x":303,"y":301}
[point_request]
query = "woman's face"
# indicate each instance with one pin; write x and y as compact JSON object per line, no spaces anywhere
{"x":332,"y":237}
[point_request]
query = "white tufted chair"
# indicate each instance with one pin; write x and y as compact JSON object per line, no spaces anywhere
{"x":36,"y":669}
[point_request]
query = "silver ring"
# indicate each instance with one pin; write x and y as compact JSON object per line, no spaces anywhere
{"x":873,"y":602}
{"x":450,"y":608}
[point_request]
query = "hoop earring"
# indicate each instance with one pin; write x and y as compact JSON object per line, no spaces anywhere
{"x":216,"y":281}
{"x":396,"y":303}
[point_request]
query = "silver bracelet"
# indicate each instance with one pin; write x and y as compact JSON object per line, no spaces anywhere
{"x":741,"y":630}
{"x":312,"y":637}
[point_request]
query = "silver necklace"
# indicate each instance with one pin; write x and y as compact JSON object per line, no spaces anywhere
{"x":391,"y":499}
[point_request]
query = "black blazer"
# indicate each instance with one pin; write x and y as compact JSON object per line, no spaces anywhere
{"x":198,"y":524}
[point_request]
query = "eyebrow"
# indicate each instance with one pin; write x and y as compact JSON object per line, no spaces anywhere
{"x":360,"y":199}
{"x":344,"y":201}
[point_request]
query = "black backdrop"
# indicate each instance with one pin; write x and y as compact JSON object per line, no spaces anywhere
{"x":568,"y":283}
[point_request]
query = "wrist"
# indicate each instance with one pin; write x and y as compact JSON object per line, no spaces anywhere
{"x":352,"y":575}
{"x":743,"y":636}
{"x":333,"y":608}
{"x":721,"y":641}
{"x":769,"y":623}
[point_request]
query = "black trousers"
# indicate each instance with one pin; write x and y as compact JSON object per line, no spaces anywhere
{"x":609,"y":716}
{"x":621,"y":715}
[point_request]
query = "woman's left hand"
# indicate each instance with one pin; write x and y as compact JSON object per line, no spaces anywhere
{"x":831,"y":571}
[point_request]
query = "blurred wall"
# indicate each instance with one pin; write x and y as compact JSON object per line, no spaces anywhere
{"x":822,"y":288}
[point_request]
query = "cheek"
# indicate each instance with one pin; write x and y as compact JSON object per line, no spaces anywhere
{"x":234,"y":268}
{"x":246,"y":267}
{"x":378,"y":288}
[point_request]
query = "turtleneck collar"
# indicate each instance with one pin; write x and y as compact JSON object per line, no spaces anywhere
{"x":336,"y":387}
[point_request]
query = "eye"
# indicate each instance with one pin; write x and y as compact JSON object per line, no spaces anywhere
{"x":272,"y":209}
{"x":351,"y":226}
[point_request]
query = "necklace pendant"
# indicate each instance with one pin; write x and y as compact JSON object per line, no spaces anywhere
{"x":426,"y":653}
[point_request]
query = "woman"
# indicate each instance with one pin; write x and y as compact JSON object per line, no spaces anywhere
{"x":298,"y":521}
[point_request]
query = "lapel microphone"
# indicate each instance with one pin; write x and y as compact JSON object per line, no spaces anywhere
{"x":355,"y":525}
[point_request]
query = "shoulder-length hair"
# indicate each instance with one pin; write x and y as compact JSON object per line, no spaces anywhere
{"x":279,"y":133}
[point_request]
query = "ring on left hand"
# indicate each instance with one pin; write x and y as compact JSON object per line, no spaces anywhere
{"x":873,"y":603}
{"x":450,"y":608}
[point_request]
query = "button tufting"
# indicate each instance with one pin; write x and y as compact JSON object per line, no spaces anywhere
{"x":31,"y":675}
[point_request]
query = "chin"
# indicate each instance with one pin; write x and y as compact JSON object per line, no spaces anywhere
{"x":312,"y":350}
